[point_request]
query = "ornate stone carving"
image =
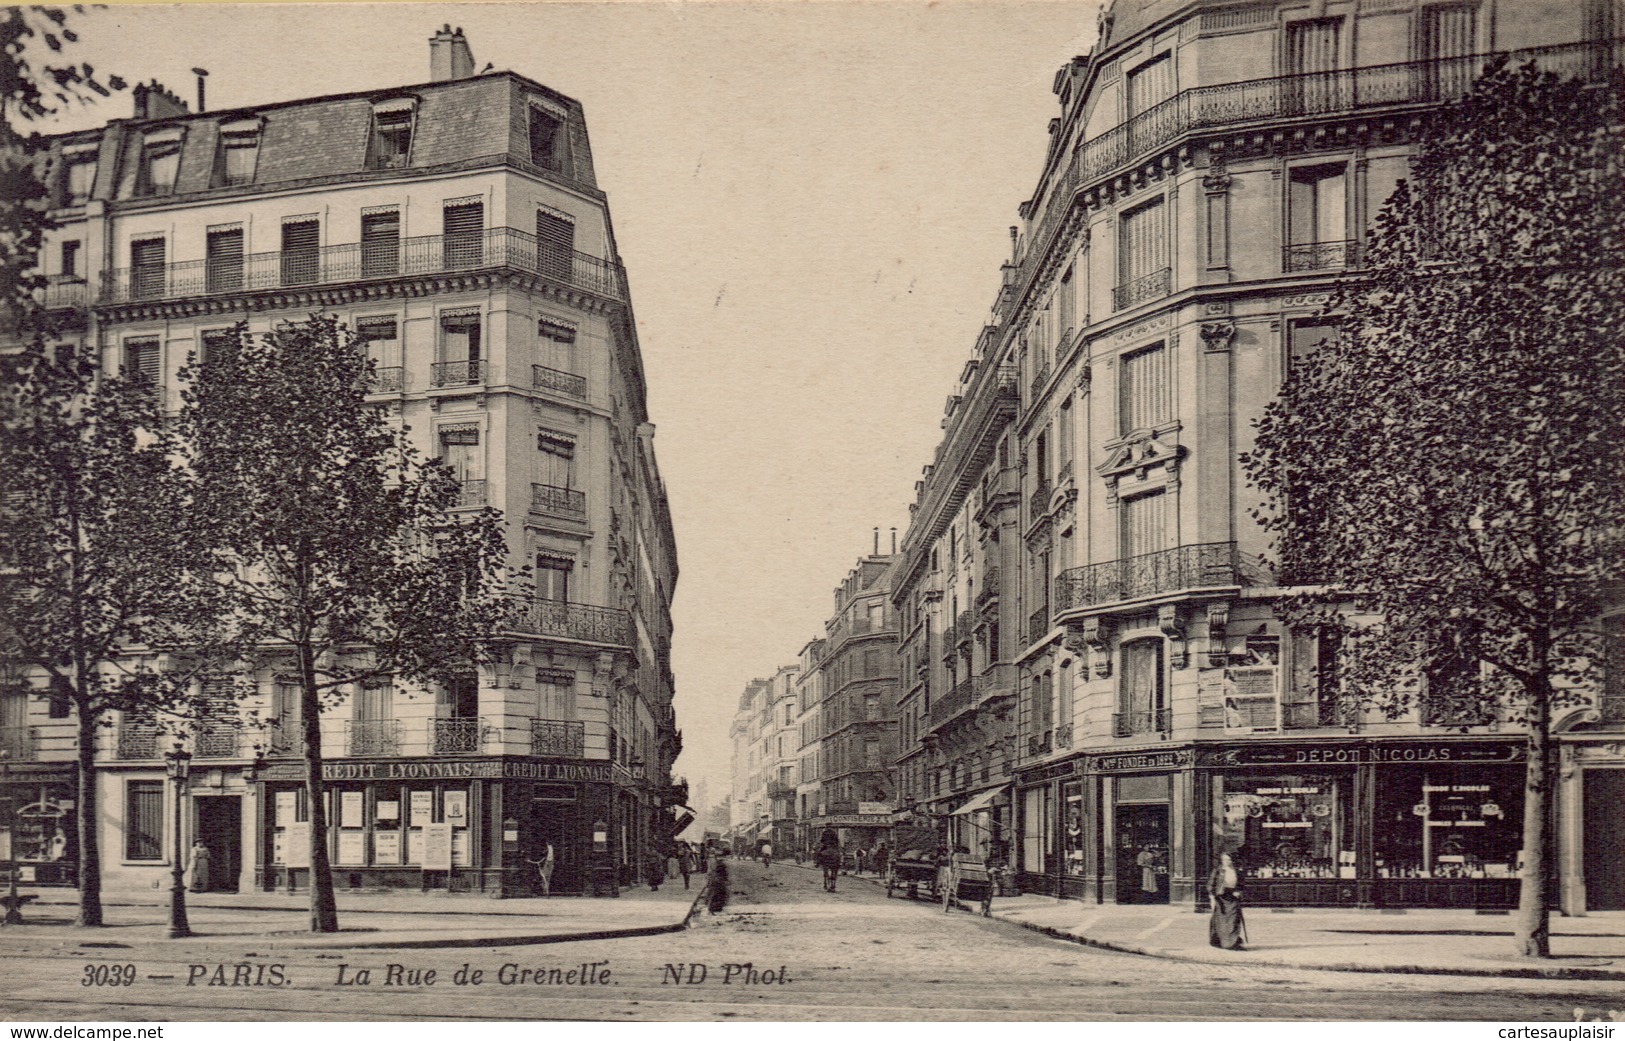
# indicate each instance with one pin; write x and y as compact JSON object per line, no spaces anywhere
{"x":1097,"y":634}
{"x":1218,"y":618}
{"x":1172,"y":623}
{"x":1216,"y":335}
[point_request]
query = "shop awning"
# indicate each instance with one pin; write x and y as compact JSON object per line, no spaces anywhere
{"x":682,"y":817}
{"x":981,"y":800}
{"x":765,"y":831}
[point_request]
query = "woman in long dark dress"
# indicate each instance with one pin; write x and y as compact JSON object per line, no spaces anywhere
{"x":1226,"y":929}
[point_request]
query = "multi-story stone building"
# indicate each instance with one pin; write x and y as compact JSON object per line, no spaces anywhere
{"x":766,"y":747}
{"x":858,"y":707}
{"x":809,"y":738}
{"x":458,"y":227}
{"x":1210,"y":178}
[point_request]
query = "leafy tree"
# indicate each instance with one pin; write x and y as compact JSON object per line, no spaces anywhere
{"x":1444,"y":478}
{"x":90,"y":565}
{"x":347,"y":555}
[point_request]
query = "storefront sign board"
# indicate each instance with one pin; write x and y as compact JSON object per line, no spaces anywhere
{"x":596,"y":770}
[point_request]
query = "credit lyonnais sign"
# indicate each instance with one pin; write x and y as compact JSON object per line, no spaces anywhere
{"x":1369,"y":752}
{"x":450,"y":770}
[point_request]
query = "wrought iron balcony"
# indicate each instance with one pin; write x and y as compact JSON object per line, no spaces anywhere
{"x":458,"y":373}
{"x":471,"y":493}
{"x":558,"y":502}
{"x":17,"y":744}
{"x":387,"y":379}
{"x":1128,"y":724}
{"x":558,"y":738}
{"x":1040,"y":378}
{"x":138,"y":740}
{"x":559,"y":382}
{"x":456,"y":736}
{"x":1038,"y":502}
{"x":1153,"y":286}
{"x":780,"y":791}
{"x":372,"y":737}
{"x":990,"y":587}
{"x":355,"y":261}
{"x":1203,"y":566}
{"x":62,"y":292}
{"x":586,"y":622}
{"x":1320,"y":256}
{"x":217,"y":739}
{"x":1451,"y":712}
{"x":1038,"y":625}
{"x":957,"y":700}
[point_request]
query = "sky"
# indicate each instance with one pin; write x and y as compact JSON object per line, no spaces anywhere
{"x":812,"y":199}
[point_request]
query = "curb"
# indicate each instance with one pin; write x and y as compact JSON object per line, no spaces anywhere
{"x":1531,"y":973}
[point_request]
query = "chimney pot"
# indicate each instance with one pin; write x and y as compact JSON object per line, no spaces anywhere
{"x":449,"y":55}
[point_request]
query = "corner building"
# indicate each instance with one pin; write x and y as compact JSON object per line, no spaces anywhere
{"x":1188,"y":226}
{"x":457,"y":225}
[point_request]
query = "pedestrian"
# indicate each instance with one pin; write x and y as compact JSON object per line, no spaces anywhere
{"x":767,"y":852}
{"x":829,"y":860}
{"x":654,"y":866}
{"x":860,"y":859}
{"x":685,"y":862}
{"x":1226,"y":929}
{"x":198,"y":863}
{"x":717,"y":884}
{"x":882,"y":859}
{"x":544,"y":869}
{"x":705,"y":856}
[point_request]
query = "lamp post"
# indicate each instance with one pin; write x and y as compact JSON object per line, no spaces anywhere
{"x":179,"y":765}
{"x":14,"y":904}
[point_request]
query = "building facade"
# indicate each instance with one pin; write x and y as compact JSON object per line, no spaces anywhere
{"x":1188,"y":227}
{"x":457,"y":226}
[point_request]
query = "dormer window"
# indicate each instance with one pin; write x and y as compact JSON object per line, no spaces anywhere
{"x":79,"y":178}
{"x":160,"y":162}
{"x":391,"y":134}
{"x":239,"y":152}
{"x":547,"y":139}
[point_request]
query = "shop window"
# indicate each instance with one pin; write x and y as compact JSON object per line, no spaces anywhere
{"x":1286,"y":825}
{"x":144,"y":820}
{"x":1072,"y":834}
{"x":1449,"y":822}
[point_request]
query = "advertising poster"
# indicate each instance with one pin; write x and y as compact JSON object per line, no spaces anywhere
{"x":352,"y":847}
{"x":436,"y":846}
{"x":350,"y":810}
{"x":297,"y":852}
{"x":386,"y":847}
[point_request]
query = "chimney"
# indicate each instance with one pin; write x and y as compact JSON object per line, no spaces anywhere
{"x":894,"y":542}
{"x":201,"y":75}
{"x":155,"y":101}
{"x":449,"y":55}
{"x":877,"y":542}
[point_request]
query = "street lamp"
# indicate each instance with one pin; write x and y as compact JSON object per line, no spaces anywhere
{"x":179,"y":765}
{"x":14,"y":903}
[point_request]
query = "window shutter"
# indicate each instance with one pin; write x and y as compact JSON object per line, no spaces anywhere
{"x":301,"y":242}
{"x":224,"y":249}
{"x":555,"y":244}
{"x":464,"y":225}
{"x":380,"y":243}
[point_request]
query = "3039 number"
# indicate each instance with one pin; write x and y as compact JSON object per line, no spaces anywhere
{"x":108,"y":976}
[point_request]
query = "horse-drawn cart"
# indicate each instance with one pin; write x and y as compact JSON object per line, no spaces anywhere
{"x":911,"y":871}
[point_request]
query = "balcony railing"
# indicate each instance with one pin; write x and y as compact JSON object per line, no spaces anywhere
{"x":962,"y":697}
{"x":138,"y":741}
{"x":558,"y":738}
{"x":1127,"y":724}
{"x":456,"y":736}
{"x":372,"y":737}
{"x":458,"y":373}
{"x":63,"y":291}
{"x":17,"y":744}
{"x":1040,"y":378}
{"x":1153,"y":286}
{"x":1038,"y":502}
{"x":560,"y":502}
{"x":1308,"y":94}
{"x":355,"y":261}
{"x":1038,"y":625}
{"x":781,"y":791}
{"x":1447,"y":712}
{"x":990,"y":586}
{"x":217,"y":739}
{"x":1320,"y":256}
{"x":471,"y":493}
{"x":585,"y":622}
{"x":1200,"y":566}
{"x":566,"y":383}
{"x":387,"y":379}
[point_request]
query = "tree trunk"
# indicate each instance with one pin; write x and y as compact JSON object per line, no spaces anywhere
{"x":324,"y":915}
{"x":90,"y":850}
{"x":1532,"y":925}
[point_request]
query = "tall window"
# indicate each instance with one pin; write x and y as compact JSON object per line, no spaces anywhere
{"x":458,"y":697}
{"x":391,"y":144}
{"x":380,"y":242}
{"x":558,"y":342}
{"x":546,"y":139}
{"x":1305,"y":336}
{"x":1149,"y":85}
{"x":223,"y":248}
{"x":1312,"y":57}
{"x":301,"y":250}
{"x":1139,"y":704}
{"x":871,"y":754}
{"x":871,"y":706}
{"x":382,"y":336}
{"x":160,"y":162}
{"x":877,"y":617}
{"x":555,"y":244}
{"x":1145,"y":524}
{"x":1142,"y":256}
{"x":147,"y":272}
{"x":460,"y":452}
{"x":141,"y":362}
{"x":1145,"y":389}
{"x":556,"y":462}
{"x":553,"y":578}
{"x":211,"y":342}
{"x":287,"y":716}
{"x":14,"y":733}
{"x":143,"y":820}
{"x":1068,"y":299}
{"x":463,"y":222}
{"x":375,"y":702}
{"x":239,"y":152}
{"x":1317,"y":218}
{"x":460,"y":358}
{"x":1449,"y":34}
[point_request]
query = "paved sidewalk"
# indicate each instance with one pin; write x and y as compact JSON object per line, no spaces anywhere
{"x":1455,"y":943}
{"x":370,"y":920}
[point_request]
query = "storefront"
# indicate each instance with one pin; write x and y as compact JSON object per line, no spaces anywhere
{"x":465,"y":825}
{"x":38,"y":825}
{"x":1368,"y":823}
{"x":1591,"y":835}
{"x":978,"y":825}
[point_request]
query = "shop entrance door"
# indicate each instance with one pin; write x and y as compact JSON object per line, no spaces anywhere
{"x":220,"y":827}
{"x":1604,"y":838}
{"x":1142,"y":854}
{"x":555,"y":823}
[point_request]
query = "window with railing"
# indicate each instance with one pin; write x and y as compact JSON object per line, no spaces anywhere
{"x":1143,"y":271}
{"x":461,"y":359}
{"x":563,"y":739}
{"x":1317,"y":219}
{"x":1140,"y":698}
{"x":223,"y":264}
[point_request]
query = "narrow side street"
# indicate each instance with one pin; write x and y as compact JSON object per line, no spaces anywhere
{"x":784,"y":950}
